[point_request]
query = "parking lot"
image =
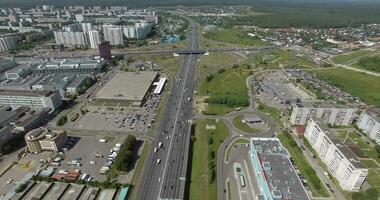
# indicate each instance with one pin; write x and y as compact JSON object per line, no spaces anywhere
{"x":276,"y":90}
{"x":125,"y":119}
{"x":90,"y":153}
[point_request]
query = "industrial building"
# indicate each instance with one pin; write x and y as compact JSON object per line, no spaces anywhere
{"x":339,"y":159}
{"x":274,"y":171}
{"x":326,"y":112}
{"x":74,"y":65}
{"x":7,"y":43}
{"x":369,"y":123}
{"x":128,"y":88}
{"x":54,"y":82}
{"x":77,"y":83}
{"x":6,"y":65}
{"x":43,"y":139}
{"x":32,"y":99}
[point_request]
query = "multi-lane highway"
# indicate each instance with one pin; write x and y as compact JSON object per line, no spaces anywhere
{"x":164,"y":174}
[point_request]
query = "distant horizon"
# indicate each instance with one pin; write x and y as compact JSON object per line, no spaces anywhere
{"x":160,"y":3}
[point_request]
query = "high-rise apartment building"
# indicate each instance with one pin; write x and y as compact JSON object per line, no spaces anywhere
{"x":339,"y":159}
{"x":94,"y":39}
{"x":328,"y":113}
{"x":113,"y":34}
{"x":369,"y":123}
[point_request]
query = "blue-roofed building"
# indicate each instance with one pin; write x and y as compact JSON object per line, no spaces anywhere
{"x":123,"y":194}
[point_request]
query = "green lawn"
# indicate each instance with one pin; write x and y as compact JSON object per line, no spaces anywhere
{"x":318,"y":189}
{"x":339,"y":59}
{"x":234,"y":36}
{"x":201,"y":186}
{"x":364,"y":86}
{"x":217,"y":60}
{"x":237,"y":121}
{"x":370,"y":164}
{"x":369,"y":63}
{"x":373,"y":178}
{"x":226,"y":91}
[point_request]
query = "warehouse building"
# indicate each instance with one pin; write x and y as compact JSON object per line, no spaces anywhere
{"x":69,"y":66}
{"x":326,"y":112}
{"x":369,"y":123}
{"x":128,"y":88}
{"x":339,"y":159}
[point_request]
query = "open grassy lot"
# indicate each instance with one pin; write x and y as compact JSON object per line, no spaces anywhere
{"x":371,"y":63}
{"x":237,"y":121}
{"x":217,"y":60}
{"x":318,"y":189}
{"x":205,"y":149}
{"x":226,"y":90}
{"x":364,"y":86}
{"x":339,"y":59}
{"x":280,"y":58}
{"x":234,"y":36}
{"x":370,"y":164}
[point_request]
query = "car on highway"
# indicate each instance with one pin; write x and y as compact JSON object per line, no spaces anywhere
{"x":158,"y":161}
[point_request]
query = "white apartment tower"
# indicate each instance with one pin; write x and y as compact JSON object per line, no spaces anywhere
{"x":113,"y":34}
{"x":328,"y":114}
{"x":369,"y":123}
{"x":339,"y":159}
{"x":94,"y":39}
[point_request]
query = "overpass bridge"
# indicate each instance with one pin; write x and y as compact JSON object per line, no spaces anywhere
{"x":194,"y":52}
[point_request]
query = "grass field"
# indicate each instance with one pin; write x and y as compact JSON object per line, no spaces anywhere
{"x":370,"y":164}
{"x":366,"y":87}
{"x":277,"y":58}
{"x":237,"y":121}
{"x":318,"y":189}
{"x":201,"y":187}
{"x":217,"y":60}
{"x":371,"y":63}
{"x":234,"y":36}
{"x":229,"y":86}
{"x":339,"y":59}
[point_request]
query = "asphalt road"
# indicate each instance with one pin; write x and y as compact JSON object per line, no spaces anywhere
{"x":164,"y":173}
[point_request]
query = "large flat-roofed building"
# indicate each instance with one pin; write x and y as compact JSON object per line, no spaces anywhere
{"x":21,"y":83}
{"x":128,"y":87}
{"x":18,"y":72}
{"x":32,"y":99}
{"x":43,"y":139}
{"x":369,"y":123}
{"x":72,"y":65}
{"x":274,"y":171}
{"x":326,"y":112}
{"x":53,"y":82}
{"x":339,"y":159}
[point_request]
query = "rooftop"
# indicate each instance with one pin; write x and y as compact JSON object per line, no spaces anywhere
{"x":319,"y":104}
{"x":70,"y":63}
{"x":345,"y":150}
{"x":128,"y":86}
{"x":25,"y":93}
{"x":280,"y":175}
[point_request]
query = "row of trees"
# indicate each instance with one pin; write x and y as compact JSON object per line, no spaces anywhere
{"x":229,"y":100}
{"x":124,"y":159}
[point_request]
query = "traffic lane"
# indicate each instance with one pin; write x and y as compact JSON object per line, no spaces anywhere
{"x":153,"y":168}
{"x":172,"y":184}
